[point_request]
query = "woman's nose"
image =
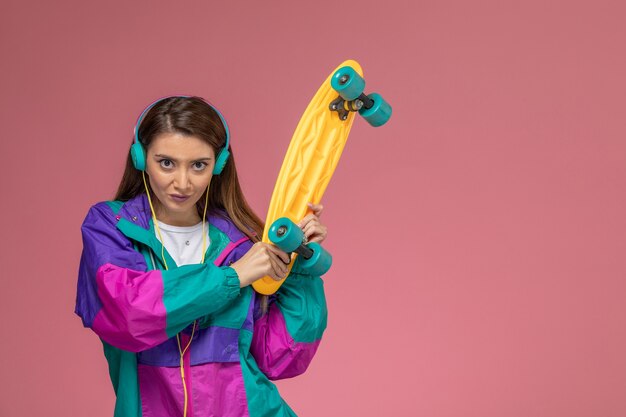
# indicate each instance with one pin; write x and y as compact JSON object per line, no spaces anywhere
{"x":181,"y":179}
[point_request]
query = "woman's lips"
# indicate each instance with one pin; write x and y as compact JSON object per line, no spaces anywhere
{"x":179,"y":198}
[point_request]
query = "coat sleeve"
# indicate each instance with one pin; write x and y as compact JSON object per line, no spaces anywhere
{"x":134,"y":309}
{"x":286,"y":338}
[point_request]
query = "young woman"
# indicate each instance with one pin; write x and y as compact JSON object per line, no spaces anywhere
{"x":165,"y":276}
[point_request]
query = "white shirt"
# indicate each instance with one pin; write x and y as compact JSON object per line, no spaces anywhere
{"x":184,"y":243}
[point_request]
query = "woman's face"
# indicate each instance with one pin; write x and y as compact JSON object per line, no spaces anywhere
{"x":180,"y":169}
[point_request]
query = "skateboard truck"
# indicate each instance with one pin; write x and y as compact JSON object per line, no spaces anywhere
{"x":289,"y":238}
{"x":350,"y":86}
{"x":343,"y":107}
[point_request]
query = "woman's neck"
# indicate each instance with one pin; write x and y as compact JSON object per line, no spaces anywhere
{"x":177,"y":219}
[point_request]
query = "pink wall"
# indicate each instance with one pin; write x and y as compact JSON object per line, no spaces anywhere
{"x":479,"y":238}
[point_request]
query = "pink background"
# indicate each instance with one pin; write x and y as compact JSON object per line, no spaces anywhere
{"x":479,"y":238}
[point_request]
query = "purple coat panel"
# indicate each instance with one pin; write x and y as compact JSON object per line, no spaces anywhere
{"x":103,"y":244}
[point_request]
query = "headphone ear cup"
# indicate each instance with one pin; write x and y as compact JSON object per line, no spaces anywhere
{"x":220,"y":161}
{"x":138,"y":156}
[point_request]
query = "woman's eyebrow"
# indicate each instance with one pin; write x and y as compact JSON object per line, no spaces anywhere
{"x":206,"y":158}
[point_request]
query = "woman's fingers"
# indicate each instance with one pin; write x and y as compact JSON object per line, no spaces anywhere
{"x":281,"y":255}
{"x":317,"y":208}
{"x":317,"y":212}
{"x":313,"y":229}
{"x":279,"y":262}
{"x":302,"y":224}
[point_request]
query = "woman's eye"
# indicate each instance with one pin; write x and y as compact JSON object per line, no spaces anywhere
{"x":165,"y":163}
{"x":199,"y":166}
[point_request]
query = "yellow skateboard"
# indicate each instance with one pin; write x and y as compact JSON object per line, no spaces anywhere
{"x":310,"y":161}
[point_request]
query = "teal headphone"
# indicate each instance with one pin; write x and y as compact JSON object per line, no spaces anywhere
{"x":138,"y":153}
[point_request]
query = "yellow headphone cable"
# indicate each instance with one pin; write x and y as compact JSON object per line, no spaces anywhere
{"x":156,"y":225}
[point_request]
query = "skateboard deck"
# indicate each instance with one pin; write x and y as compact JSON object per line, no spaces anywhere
{"x":309,"y":163}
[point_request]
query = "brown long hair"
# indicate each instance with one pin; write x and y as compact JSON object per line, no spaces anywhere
{"x":193,"y":116}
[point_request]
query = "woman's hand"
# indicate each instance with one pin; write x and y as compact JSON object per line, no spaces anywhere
{"x":311,"y":226}
{"x":262,"y":259}
{"x":265,"y":259}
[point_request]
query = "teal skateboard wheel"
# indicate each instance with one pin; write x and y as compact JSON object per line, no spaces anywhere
{"x":348,"y":83}
{"x":379,"y":113}
{"x":285,"y":234}
{"x":319,"y":263}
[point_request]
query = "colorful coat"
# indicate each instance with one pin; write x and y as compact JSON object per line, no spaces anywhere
{"x":136,"y":308}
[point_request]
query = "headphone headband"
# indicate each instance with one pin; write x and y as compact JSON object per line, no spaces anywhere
{"x":138,"y":153}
